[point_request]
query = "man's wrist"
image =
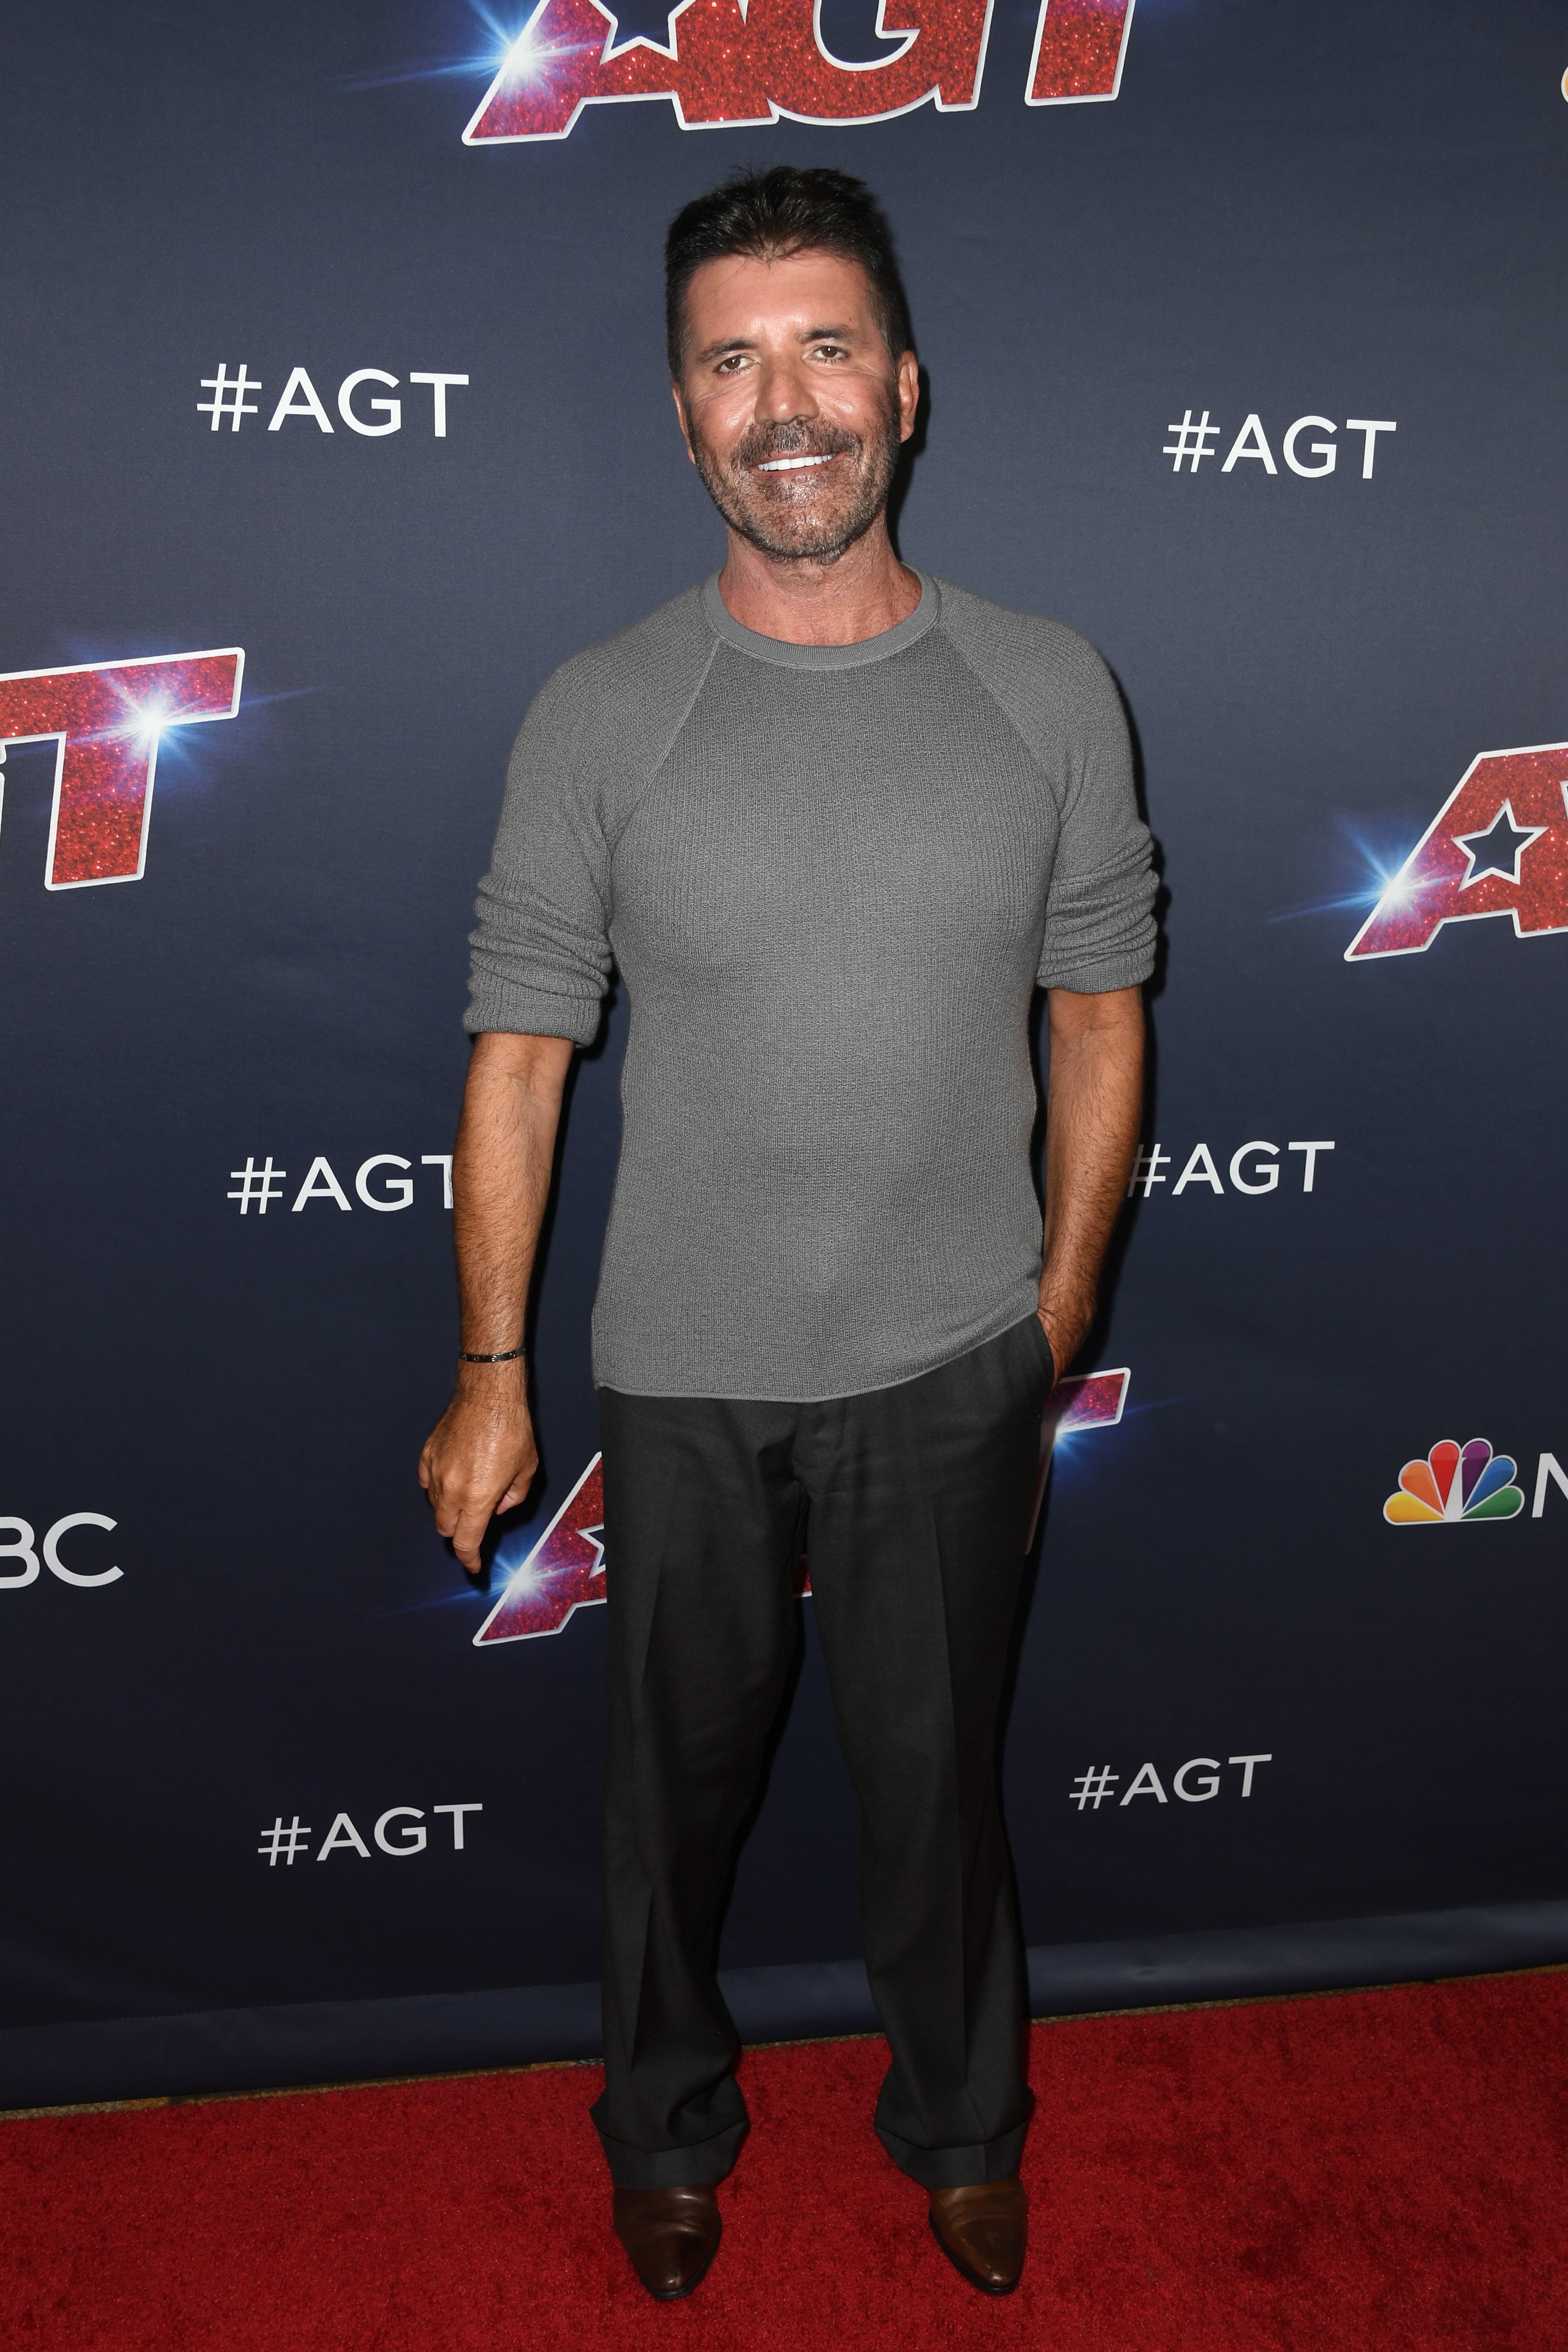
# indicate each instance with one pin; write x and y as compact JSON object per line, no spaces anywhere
{"x":1065,"y":1327}
{"x":487,"y":1376}
{"x":503,"y":1356}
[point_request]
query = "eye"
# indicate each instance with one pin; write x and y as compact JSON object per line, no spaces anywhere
{"x":730,"y":365}
{"x":831,"y":352}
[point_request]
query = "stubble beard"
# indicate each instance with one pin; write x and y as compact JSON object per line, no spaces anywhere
{"x":786,"y":516}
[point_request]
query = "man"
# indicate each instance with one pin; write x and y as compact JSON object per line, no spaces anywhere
{"x":833,"y":821}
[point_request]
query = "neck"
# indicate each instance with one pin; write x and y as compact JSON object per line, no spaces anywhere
{"x":807,"y":601}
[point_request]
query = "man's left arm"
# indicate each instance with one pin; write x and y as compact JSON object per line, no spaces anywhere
{"x":1094,"y":1106}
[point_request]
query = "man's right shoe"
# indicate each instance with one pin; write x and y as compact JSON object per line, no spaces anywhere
{"x":984,"y":2232}
{"x":671,"y":2234}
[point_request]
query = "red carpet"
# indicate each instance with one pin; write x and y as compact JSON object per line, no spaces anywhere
{"x":1382,"y":2171}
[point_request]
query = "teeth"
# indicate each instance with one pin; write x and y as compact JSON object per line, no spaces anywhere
{"x":792,"y":464}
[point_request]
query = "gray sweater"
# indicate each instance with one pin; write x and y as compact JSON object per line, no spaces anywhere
{"x":830,"y":878}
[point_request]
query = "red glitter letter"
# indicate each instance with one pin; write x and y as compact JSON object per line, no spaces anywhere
{"x":564,"y":59}
{"x":942,"y":57}
{"x":108,"y":717}
{"x":1078,"y":48}
{"x":1087,"y":1400}
{"x":566,"y":1570}
{"x":724,"y":67}
{"x":1498,"y":845}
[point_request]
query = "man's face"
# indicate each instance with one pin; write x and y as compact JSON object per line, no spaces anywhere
{"x":792,"y":405}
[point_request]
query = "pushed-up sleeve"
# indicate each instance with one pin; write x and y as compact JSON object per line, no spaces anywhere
{"x":542,"y":956}
{"x":1099,"y":912}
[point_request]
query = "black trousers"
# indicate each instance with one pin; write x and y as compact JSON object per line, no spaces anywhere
{"x":915,"y":1502}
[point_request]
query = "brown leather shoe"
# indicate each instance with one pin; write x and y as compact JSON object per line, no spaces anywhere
{"x":984,"y":2232}
{"x":672,"y":2235}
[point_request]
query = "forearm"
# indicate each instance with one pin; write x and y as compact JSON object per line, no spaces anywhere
{"x":501,"y":1180}
{"x":1094,"y":1103}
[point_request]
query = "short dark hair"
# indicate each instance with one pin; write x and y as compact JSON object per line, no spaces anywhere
{"x":768,"y":215}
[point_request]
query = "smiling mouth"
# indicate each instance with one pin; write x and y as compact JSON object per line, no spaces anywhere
{"x":794,"y":465}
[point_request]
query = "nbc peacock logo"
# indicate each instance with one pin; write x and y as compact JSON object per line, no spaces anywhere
{"x":1455,"y":1484}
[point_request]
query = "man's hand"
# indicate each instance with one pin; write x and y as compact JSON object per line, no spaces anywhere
{"x":480,"y":1457}
{"x":1093,"y":1105}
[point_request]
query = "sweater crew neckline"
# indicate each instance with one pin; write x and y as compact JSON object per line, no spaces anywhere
{"x":724,"y":625}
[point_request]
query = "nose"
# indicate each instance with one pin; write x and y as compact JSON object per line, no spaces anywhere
{"x":784,"y":391}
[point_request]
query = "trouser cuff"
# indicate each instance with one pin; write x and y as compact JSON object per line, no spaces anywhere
{"x":957,"y":2168}
{"x":701,"y":2166}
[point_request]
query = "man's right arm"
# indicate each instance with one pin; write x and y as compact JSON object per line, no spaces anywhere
{"x":480,"y":1457}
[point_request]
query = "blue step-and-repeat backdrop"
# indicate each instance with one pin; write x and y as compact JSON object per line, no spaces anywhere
{"x":335,"y":416}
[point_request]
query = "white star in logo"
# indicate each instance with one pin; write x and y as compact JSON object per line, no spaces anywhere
{"x":1484,"y":860}
{"x":618,"y":46}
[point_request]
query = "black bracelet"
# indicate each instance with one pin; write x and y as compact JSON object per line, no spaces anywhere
{"x":510,"y":1356}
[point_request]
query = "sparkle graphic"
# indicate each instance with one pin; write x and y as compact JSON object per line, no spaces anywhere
{"x":109,"y":717}
{"x":1498,"y":845}
{"x":1087,"y":1401}
{"x":498,"y":46}
{"x":1380,"y":849}
{"x":1455,"y":1484}
{"x":1499,"y":849}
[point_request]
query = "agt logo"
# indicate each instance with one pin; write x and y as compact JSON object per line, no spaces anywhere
{"x":1498,"y":845}
{"x":564,"y":1572}
{"x":1457,"y":1484}
{"x":107,"y":719}
{"x":753,"y":61}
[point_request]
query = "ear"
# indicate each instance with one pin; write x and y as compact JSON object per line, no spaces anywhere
{"x":908,"y":377}
{"x":685,"y":427}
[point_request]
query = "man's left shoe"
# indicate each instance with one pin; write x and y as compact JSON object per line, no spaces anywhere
{"x":671,"y":2236}
{"x":984,"y":2232}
